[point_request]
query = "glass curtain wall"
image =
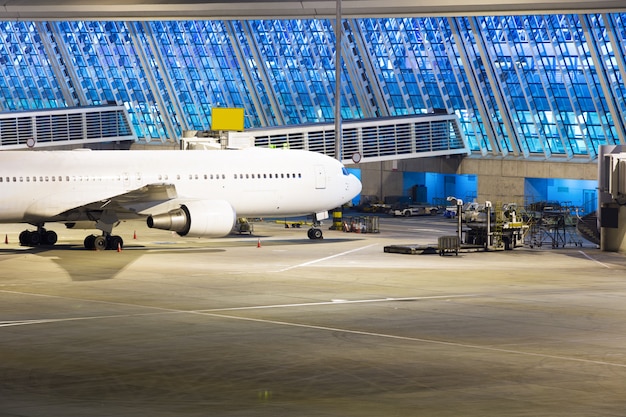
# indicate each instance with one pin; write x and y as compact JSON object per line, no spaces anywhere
{"x":536,"y":87}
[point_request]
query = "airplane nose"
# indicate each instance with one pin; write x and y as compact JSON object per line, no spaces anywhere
{"x":355,"y":186}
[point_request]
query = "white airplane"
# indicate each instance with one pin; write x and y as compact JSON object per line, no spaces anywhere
{"x":193,"y":193}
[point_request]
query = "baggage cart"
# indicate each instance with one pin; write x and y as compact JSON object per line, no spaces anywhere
{"x":448,"y":244}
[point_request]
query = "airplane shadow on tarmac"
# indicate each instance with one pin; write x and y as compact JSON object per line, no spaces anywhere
{"x":89,"y":265}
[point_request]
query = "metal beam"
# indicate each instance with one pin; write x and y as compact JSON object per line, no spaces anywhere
{"x":276,"y":9}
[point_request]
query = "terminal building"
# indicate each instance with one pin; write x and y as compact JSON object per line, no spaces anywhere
{"x":507,"y":103}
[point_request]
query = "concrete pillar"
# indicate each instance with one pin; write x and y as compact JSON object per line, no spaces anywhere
{"x":613,"y":228}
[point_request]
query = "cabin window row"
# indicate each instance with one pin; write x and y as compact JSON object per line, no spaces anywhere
{"x":235,"y":176}
{"x":161,"y":177}
{"x":265,"y":176}
{"x":178,"y":177}
{"x":45,"y":179}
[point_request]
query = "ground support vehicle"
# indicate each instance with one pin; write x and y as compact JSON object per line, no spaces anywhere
{"x":507,"y":236}
{"x":421,"y":210}
{"x":243,"y":225}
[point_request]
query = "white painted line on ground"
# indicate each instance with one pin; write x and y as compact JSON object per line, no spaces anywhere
{"x":324,"y":259}
{"x":213,"y":313}
{"x":340,"y":301}
{"x":595,"y":260}
{"x":420,"y":340}
{"x":10,"y":323}
{"x":160,"y":310}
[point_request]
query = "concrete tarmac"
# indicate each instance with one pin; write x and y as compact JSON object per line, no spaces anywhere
{"x":275,"y":324}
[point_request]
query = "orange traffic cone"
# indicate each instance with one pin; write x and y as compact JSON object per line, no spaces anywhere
{"x":258,"y":243}
{"x":135,"y":234}
{"x":119,"y":247}
{"x":6,"y":239}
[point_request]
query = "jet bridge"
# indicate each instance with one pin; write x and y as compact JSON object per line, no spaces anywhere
{"x":612,"y":197}
{"x":370,"y":140}
{"x":64,"y":126}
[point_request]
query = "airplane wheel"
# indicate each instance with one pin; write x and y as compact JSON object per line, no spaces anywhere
{"x":100,"y":243}
{"x":115,"y":242}
{"x":50,"y":237}
{"x":89,"y":242}
{"x":315,"y":233}
{"x":25,"y":238}
{"x":35,"y":238}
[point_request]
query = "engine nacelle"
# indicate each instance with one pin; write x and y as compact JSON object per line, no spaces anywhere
{"x":201,"y":218}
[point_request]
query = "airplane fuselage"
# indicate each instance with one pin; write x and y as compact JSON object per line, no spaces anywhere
{"x":107,"y":186}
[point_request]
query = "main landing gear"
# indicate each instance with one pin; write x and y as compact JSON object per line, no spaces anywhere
{"x":43,"y":237}
{"x":103,"y":242}
{"x":39,"y":237}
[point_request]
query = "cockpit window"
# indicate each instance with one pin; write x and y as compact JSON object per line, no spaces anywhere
{"x":345,"y":171}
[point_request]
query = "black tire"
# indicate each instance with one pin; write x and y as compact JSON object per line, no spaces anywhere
{"x":35,"y":238}
{"x":315,"y":233}
{"x":116,"y":242}
{"x":50,"y":237}
{"x":25,"y":238}
{"x":100,"y":243}
{"x":89,"y":242}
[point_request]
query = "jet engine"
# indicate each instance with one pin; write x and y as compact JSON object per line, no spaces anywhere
{"x":201,"y":218}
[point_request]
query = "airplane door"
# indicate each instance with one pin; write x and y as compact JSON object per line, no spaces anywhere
{"x":131,"y":180}
{"x":320,"y":177}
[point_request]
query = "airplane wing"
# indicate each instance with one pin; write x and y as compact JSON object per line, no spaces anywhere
{"x":131,"y":202}
{"x":144,"y":197}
